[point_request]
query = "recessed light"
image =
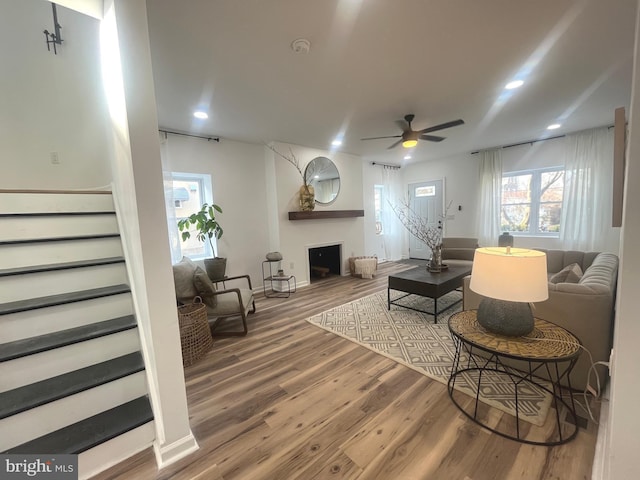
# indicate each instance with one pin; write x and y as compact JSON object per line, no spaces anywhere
{"x":553,"y":126}
{"x":336,"y":143}
{"x":514,"y":84}
{"x":201,"y":115}
{"x":407,"y":157}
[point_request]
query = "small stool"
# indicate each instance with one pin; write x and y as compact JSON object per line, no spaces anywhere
{"x":363,"y":267}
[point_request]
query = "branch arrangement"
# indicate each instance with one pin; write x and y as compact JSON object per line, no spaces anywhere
{"x":418,"y":226}
{"x":291,"y":158}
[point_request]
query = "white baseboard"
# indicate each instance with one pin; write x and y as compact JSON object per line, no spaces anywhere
{"x":168,"y":454}
{"x":108,"y":454}
{"x":599,"y":457}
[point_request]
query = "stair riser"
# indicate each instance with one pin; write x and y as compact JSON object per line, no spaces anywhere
{"x":21,"y":228}
{"x":17,"y":326}
{"x":42,"y":284}
{"x":34,"y":368}
{"x":52,"y":202}
{"x":19,"y":255}
{"x":39,"y":421}
{"x":98,"y":459}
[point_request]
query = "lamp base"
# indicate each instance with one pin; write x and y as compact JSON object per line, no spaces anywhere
{"x":512,"y":319}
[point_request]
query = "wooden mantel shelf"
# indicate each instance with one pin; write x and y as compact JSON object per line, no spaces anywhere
{"x":318,"y":214}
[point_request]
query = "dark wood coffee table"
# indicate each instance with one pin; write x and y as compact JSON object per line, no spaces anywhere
{"x":419,"y":281}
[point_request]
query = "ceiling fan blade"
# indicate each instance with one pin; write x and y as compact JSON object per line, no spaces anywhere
{"x":378,"y":138}
{"x":442,"y":126}
{"x":431,"y":138}
{"x":395,"y":144}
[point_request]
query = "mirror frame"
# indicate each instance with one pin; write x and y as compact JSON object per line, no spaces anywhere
{"x":319,"y":164}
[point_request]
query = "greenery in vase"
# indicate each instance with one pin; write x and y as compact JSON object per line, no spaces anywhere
{"x":207,"y":225}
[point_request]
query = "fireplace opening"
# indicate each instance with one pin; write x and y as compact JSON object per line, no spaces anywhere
{"x":324,"y":262}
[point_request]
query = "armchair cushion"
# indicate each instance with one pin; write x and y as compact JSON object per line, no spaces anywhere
{"x":183,"y":278}
{"x":227,"y":303}
{"x":205,"y":287}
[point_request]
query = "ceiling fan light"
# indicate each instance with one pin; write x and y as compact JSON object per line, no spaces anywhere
{"x":410,"y":143}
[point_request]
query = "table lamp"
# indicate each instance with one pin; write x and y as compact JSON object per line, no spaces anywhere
{"x":510,"y":278}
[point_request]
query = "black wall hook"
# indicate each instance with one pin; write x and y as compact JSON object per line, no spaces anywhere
{"x":56,"y":37}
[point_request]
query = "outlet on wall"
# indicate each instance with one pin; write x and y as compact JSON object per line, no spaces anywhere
{"x":55,"y":160}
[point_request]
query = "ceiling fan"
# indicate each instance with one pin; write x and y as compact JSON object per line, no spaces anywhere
{"x":410,"y":137}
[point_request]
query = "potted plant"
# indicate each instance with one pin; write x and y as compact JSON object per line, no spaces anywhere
{"x":207,"y":227}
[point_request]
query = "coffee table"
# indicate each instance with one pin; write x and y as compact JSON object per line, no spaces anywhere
{"x":419,"y":281}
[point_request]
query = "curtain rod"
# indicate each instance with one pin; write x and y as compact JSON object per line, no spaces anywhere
{"x":215,"y":139}
{"x":386,"y":165}
{"x":531,"y":142}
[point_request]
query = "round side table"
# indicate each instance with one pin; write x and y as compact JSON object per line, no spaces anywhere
{"x":549,"y":350}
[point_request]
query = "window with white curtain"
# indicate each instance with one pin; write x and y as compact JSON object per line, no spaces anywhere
{"x":378,"y":194}
{"x":189,"y":191}
{"x":532,"y":202}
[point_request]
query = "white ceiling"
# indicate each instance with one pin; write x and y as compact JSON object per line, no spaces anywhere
{"x":373,"y":61}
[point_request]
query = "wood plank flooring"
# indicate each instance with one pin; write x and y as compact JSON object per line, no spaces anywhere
{"x":292,"y":401}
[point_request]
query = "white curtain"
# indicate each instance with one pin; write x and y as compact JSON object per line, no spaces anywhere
{"x":490,"y":197}
{"x":174,"y":234}
{"x":588,"y":190}
{"x":392,"y":228}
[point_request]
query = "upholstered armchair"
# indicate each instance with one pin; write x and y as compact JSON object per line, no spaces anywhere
{"x":191,"y":281}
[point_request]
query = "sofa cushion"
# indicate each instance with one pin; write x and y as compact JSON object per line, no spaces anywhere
{"x":183,"y":279}
{"x":569,"y":274}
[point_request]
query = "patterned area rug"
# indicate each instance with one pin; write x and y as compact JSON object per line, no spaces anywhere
{"x":412,"y":339}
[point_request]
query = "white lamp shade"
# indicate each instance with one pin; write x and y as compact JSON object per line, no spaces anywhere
{"x":511,"y":274}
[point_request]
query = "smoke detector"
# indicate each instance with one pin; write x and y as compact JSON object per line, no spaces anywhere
{"x":301,"y":46}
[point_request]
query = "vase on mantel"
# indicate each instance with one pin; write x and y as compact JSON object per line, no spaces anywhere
{"x":307,"y":198}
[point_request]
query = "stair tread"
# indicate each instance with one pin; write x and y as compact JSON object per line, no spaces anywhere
{"x":39,"y":393}
{"x":60,"y":266}
{"x":62,"y":338}
{"x":60,"y":299}
{"x":59,"y":239}
{"x":90,"y":432}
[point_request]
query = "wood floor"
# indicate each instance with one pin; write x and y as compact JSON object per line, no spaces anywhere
{"x":292,"y":401}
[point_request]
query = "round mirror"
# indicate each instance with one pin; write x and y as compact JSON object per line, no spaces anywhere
{"x":322,"y":174}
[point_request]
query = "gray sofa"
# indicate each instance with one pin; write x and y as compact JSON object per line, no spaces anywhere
{"x":459,"y":250}
{"x":585,"y":308}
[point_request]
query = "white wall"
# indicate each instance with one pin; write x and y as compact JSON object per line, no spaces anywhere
{"x":296,"y":236}
{"x":239,"y":187}
{"x":51,"y":103}
{"x":623,"y":443}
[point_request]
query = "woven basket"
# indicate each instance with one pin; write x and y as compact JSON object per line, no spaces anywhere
{"x":195,"y":334}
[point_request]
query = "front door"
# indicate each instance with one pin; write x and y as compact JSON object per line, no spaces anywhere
{"x":425,"y":199}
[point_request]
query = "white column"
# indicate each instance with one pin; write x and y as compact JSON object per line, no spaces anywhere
{"x":138,"y":183}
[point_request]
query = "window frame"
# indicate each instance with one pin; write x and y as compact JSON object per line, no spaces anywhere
{"x":206,"y":196}
{"x":535,"y":203}
{"x":378,"y":213}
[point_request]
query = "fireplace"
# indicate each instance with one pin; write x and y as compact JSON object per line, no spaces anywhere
{"x":324,"y":261}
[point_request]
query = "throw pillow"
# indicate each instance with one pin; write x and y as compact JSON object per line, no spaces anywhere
{"x":205,"y":287}
{"x":569,"y":274}
{"x":183,"y":280}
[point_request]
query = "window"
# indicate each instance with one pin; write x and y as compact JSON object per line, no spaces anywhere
{"x":532,"y":202}
{"x":377,"y":195}
{"x":190,"y":191}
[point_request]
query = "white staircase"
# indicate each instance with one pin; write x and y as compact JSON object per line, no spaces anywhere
{"x":72,"y":378}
